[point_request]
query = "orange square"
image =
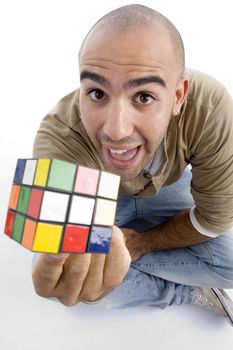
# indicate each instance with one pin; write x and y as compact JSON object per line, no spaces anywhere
{"x":29,"y":233}
{"x":14,"y":196}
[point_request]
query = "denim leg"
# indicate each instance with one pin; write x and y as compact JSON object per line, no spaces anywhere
{"x":167,"y":277}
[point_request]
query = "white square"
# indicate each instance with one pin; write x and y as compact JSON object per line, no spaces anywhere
{"x":29,"y":172}
{"x":104,"y":212}
{"x":54,"y":206}
{"x":81,"y":210}
{"x":109,"y":185}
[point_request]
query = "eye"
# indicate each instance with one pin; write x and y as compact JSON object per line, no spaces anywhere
{"x":96,"y":94}
{"x":144,"y":98}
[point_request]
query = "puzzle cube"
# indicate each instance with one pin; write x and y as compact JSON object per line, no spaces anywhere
{"x":56,"y":206}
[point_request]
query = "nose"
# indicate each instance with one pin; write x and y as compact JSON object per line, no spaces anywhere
{"x":118,"y":122}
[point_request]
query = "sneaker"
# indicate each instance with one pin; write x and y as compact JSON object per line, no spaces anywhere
{"x":214,"y":299}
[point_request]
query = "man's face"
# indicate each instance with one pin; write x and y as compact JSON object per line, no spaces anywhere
{"x":130,"y":88}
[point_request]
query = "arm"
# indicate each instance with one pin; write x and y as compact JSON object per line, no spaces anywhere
{"x":178,"y":232}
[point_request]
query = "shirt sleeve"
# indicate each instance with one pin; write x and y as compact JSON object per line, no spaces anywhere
{"x":212,"y":167}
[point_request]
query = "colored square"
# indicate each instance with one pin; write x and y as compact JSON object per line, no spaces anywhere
{"x":23,"y":199}
{"x":14,"y":197}
{"x":81,"y":211}
{"x":86,"y":181}
{"x":29,"y":233}
{"x":61,"y":175}
{"x":9,"y":223}
{"x":75,"y":239}
{"x":17,"y":231}
{"x":29,"y":172}
{"x":109,"y":185}
{"x":19,"y":171}
{"x":54,"y":206}
{"x":104,"y":212}
{"x":100,"y":239}
{"x":47,"y":238}
{"x":42,"y":170}
{"x":35,"y":203}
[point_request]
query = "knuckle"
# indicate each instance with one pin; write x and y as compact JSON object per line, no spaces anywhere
{"x":41,"y":291}
{"x":72,"y":273}
{"x":40,"y":288}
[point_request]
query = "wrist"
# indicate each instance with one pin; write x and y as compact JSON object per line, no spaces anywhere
{"x":147,"y":242}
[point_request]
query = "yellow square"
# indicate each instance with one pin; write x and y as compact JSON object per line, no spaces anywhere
{"x":47,"y":238}
{"x":42,"y":172}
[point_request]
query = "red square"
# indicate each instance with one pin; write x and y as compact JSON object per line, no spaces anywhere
{"x":9,"y":223}
{"x":75,"y":239}
{"x":35,"y":203}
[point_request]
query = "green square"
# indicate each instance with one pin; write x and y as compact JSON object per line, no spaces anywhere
{"x":18,"y":228}
{"x":23,"y":199}
{"x":61,"y":175}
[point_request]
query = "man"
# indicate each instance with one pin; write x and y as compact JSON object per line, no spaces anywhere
{"x":141,"y":115}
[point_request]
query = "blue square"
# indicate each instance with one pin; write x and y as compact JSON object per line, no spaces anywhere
{"x":19,"y":171}
{"x":100,"y":238}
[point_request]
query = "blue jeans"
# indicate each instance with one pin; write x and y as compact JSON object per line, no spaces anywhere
{"x":169,"y":277}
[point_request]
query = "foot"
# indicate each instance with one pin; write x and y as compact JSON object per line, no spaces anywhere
{"x":214,"y":299}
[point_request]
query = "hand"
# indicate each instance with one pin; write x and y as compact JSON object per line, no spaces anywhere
{"x":73,"y":278}
{"x":134,"y":243}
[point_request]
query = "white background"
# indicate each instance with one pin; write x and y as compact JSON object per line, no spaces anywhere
{"x":39,"y":42}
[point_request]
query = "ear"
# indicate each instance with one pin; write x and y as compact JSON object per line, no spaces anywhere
{"x":180,"y":95}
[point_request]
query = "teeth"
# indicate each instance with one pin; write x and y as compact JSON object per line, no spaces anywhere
{"x":118,"y":151}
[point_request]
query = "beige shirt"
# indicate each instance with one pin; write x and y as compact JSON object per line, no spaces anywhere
{"x":201,"y":135}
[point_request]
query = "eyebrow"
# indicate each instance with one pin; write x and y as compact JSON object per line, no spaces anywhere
{"x":94,"y":77}
{"x":146,"y":80}
{"x":129,"y":84}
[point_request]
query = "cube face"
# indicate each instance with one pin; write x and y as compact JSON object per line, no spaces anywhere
{"x":108,"y":186}
{"x":47,"y":238}
{"x":42,"y":171}
{"x":23,"y":199}
{"x":9,"y":224}
{"x":19,"y":171}
{"x":34,"y":204}
{"x":75,"y":239}
{"x":29,"y":172}
{"x":104,"y":212}
{"x":56,"y":206}
{"x":17,"y":231}
{"x":61,"y":175}
{"x":86,"y":181}
{"x":29,"y":234}
{"x":81,"y":211}
{"x":100,"y":238}
{"x":14,"y":197}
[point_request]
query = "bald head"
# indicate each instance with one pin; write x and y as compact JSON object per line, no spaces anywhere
{"x":130,"y":17}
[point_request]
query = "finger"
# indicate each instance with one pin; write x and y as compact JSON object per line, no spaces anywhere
{"x":72,"y":279}
{"x":117,"y":262}
{"x":93,"y":285}
{"x":47,"y":272}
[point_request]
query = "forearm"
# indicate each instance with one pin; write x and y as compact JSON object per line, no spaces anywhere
{"x":178,"y":232}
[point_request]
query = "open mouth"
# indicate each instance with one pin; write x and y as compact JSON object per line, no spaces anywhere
{"x":122,"y":158}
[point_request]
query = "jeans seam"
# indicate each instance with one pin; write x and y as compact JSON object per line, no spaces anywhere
{"x":141,"y":284}
{"x":153,"y":265}
{"x":210,"y":252}
{"x":138,"y":207}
